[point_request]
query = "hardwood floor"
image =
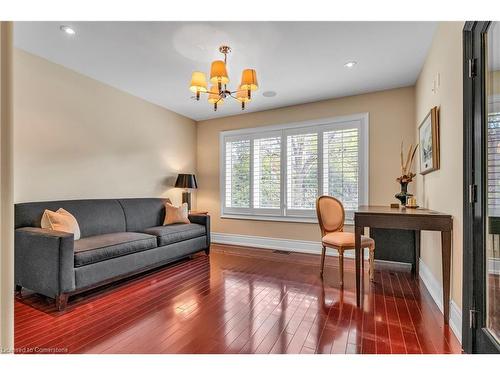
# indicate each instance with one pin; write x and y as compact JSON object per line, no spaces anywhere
{"x":240,"y":300}
{"x":494,"y":304}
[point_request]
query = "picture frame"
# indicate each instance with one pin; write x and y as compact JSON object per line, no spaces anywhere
{"x":428,"y":134}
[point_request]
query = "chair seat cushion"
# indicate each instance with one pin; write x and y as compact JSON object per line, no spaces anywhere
{"x":169,"y":234}
{"x":106,"y":246}
{"x":345,"y":240}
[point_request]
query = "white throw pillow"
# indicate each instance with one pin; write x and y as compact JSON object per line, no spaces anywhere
{"x":61,"y":220}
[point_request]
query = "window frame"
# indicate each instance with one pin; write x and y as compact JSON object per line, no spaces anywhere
{"x":319,"y":126}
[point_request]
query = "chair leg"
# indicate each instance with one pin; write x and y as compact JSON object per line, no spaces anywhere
{"x":341,"y":267}
{"x":323,"y":254}
{"x":372,"y":264}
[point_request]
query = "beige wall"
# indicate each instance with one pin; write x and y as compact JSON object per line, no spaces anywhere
{"x":391,"y":120}
{"x":78,"y":138}
{"x":442,"y":190}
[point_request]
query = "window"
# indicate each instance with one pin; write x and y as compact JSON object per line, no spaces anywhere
{"x":302,"y":171}
{"x":277,"y":172}
{"x":267,"y":172}
{"x":494,"y":164}
{"x":238,"y":174}
{"x":341,"y":166}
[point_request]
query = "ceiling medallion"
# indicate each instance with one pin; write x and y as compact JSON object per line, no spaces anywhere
{"x":219,"y":80}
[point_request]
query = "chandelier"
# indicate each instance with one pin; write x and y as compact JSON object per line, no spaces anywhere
{"x":219,"y":79}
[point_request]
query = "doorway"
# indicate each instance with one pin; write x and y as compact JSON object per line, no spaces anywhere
{"x":481,"y":284}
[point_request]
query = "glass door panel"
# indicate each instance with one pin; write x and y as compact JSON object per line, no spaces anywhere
{"x":492,"y":256}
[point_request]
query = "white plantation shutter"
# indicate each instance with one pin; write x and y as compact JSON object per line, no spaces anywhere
{"x":341,"y":166}
{"x":238,"y":173}
{"x":267,"y":172}
{"x":494,"y":164}
{"x":302,"y":171}
{"x":277,"y":172}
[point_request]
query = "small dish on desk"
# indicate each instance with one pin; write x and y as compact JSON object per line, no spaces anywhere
{"x":412,"y":206}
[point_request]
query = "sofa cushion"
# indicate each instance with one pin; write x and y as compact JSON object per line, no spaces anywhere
{"x":106,"y":246}
{"x":94,"y":216}
{"x":142,"y":213}
{"x":169,"y":234}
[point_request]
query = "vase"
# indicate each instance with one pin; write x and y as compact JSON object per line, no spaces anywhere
{"x":403,"y":195}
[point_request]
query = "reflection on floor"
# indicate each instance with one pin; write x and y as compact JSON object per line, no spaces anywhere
{"x":494,"y":304}
{"x":240,"y":300}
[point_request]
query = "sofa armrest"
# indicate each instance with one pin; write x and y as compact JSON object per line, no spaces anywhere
{"x":44,"y":260}
{"x":202,"y":220}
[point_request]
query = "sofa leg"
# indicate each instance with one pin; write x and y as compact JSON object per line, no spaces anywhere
{"x":61,"y":301}
{"x":207,"y":250}
{"x":19,"y":289}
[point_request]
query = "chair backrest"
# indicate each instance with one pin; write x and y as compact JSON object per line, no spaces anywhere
{"x":330,"y":213}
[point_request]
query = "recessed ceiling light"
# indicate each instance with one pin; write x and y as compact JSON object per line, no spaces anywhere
{"x":269,"y":94}
{"x":350,"y":64}
{"x":67,"y":29}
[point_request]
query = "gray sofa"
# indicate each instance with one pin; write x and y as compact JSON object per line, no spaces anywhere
{"x":119,"y":238}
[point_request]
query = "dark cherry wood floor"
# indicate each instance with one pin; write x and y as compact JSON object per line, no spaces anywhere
{"x":494,"y":304}
{"x":240,"y":300}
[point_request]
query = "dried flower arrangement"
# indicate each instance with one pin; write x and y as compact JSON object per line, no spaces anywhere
{"x":406,"y":173}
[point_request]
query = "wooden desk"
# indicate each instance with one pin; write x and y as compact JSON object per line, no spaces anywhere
{"x":412,"y":219}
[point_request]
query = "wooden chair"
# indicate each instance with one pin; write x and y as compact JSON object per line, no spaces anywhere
{"x":331,"y":217}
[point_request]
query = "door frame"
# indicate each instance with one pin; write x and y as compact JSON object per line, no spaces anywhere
{"x":475,"y":338}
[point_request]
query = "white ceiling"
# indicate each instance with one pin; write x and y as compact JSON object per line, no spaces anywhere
{"x":301,"y":61}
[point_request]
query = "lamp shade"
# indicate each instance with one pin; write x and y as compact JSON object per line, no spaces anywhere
{"x":249,"y":80}
{"x":242,"y":95}
{"x":186,"y":181}
{"x":213,"y":96}
{"x":198,"y":82}
{"x":218,"y":72}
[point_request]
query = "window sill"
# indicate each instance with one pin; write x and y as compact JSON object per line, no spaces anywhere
{"x":289,"y":219}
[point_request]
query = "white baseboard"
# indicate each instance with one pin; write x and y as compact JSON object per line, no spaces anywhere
{"x":436,"y":291}
{"x":299,"y":246}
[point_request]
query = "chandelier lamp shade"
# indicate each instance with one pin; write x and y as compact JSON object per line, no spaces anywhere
{"x":198,"y":83}
{"x":243,"y":96}
{"x":218,"y":73}
{"x":219,"y":80}
{"x":214,"y":98}
{"x":249,"y":81}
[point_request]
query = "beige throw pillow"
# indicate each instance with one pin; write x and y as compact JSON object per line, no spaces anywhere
{"x":175,"y":214}
{"x":62,"y":221}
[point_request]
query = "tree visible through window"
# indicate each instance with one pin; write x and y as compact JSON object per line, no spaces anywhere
{"x":280,"y":172}
{"x":238,"y":174}
{"x":267,"y":172}
{"x":341,"y":166}
{"x":302,"y":163}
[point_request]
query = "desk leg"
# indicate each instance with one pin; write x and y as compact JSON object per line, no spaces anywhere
{"x":358,"y":259}
{"x":446,"y":260}
{"x":417,"y":254}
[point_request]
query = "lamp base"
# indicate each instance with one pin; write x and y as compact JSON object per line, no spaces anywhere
{"x":186,"y":198}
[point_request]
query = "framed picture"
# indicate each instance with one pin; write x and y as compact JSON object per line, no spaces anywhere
{"x":429,"y":142}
